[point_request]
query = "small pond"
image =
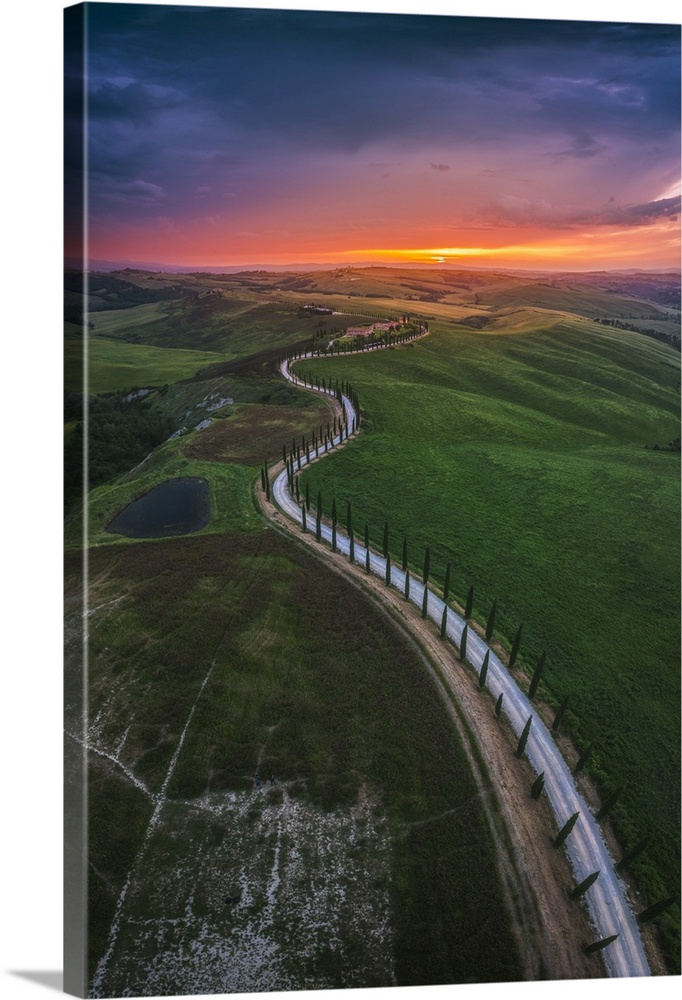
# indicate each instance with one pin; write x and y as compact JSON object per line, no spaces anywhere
{"x":176,"y":507}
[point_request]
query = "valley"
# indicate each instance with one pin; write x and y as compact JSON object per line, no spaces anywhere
{"x":529,"y":441}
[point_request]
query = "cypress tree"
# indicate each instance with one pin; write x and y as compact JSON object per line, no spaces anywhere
{"x":307,"y":496}
{"x":427,"y":560}
{"x":388,"y":571}
{"x":484,"y":670}
{"x":560,"y":714}
{"x":304,"y":525}
{"x":284,"y":454}
{"x":463,"y":643}
{"x":298,"y":495}
{"x":653,"y":911}
{"x":582,"y":888}
{"x":609,"y":803}
{"x":334,"y":511}
{"x":515,"y":647}
{"x":536,"y":675}
{"x":523,"y":738}
{"x":599,"y":945}
{"x":491,"y":622}
{"x":407,"y":585}
{"x":498,"y":705}
{"x":633,"y":853}
{"x":318,"y":525}
{"x":565,"y":830}
{"x":425,"y":603}
{"x":537,"y":786}
{"x":367,"y":565}
{"x":385,"y":539}
{"x":333,"y":536}
{"x":444,"y":622}
{"x":267,"y":483}
{"x":446,"y":585}
{"x":583,"y":759}
{"x":469,"y":604}
{"x":262,"y":477}
{"x":404,"y":553}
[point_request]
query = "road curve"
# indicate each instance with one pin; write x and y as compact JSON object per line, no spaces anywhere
{"x":606,"y":900}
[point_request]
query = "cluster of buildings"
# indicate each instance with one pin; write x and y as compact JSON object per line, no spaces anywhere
{"x":367,"y":331}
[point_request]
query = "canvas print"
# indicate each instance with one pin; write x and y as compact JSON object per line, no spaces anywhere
{"x":372,"y":495}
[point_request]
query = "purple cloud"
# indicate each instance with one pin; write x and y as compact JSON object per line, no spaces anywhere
{"x":508,"y":211}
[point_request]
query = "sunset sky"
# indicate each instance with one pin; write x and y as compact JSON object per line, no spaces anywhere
{"x":242,"y":137}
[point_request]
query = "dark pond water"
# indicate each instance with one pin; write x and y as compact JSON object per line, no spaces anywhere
{"x":175,"y":507}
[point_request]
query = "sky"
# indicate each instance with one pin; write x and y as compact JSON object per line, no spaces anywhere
{"x":244,"y":136}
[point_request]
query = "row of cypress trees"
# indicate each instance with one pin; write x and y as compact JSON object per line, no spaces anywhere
{"x":538,"y":784}
{"x":388,"y":340}
{"x":468,"y":609}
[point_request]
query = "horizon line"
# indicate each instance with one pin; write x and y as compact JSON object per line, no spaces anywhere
{"x":74,"y":263}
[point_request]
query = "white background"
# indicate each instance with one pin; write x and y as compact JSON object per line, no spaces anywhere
{"x":30,"y":462}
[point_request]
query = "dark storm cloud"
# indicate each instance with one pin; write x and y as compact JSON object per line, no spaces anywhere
{"x":136,"y":103}
{"x":583,"y":147}
{"x":640,"y":215}
{"x":214,"y":89}
{"x":337,"y":72}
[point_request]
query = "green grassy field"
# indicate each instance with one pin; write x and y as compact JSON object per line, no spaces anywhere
{"x":385,"y":835}
{"x":522,"y":461}
{"x":114,"y":364}
{"x":234,"y":324}
{"x":228,"y":453}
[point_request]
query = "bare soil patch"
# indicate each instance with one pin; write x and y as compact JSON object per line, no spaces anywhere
{"x":252,"y":433}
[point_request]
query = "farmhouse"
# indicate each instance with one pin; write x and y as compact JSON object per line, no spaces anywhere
{"x":359,"y":331}
{"x":318,"y":309}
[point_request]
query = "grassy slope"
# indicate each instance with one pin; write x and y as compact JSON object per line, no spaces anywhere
{"x":230,"y":323}
{"x":577,"y":299}
{"x":117,"y":365}
{"x":337,"y":706}
{"x":522,"y":460}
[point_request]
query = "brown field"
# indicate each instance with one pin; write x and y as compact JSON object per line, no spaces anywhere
{"x":253,"y":431}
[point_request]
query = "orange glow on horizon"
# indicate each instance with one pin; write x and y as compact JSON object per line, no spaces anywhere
{"x":651,"y":246}
{"x":646,"y":246}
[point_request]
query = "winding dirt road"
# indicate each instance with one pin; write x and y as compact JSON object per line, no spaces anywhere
{"x":610,"y":912}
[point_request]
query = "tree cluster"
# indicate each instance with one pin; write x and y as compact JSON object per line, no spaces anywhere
{"x":120,"y":434}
